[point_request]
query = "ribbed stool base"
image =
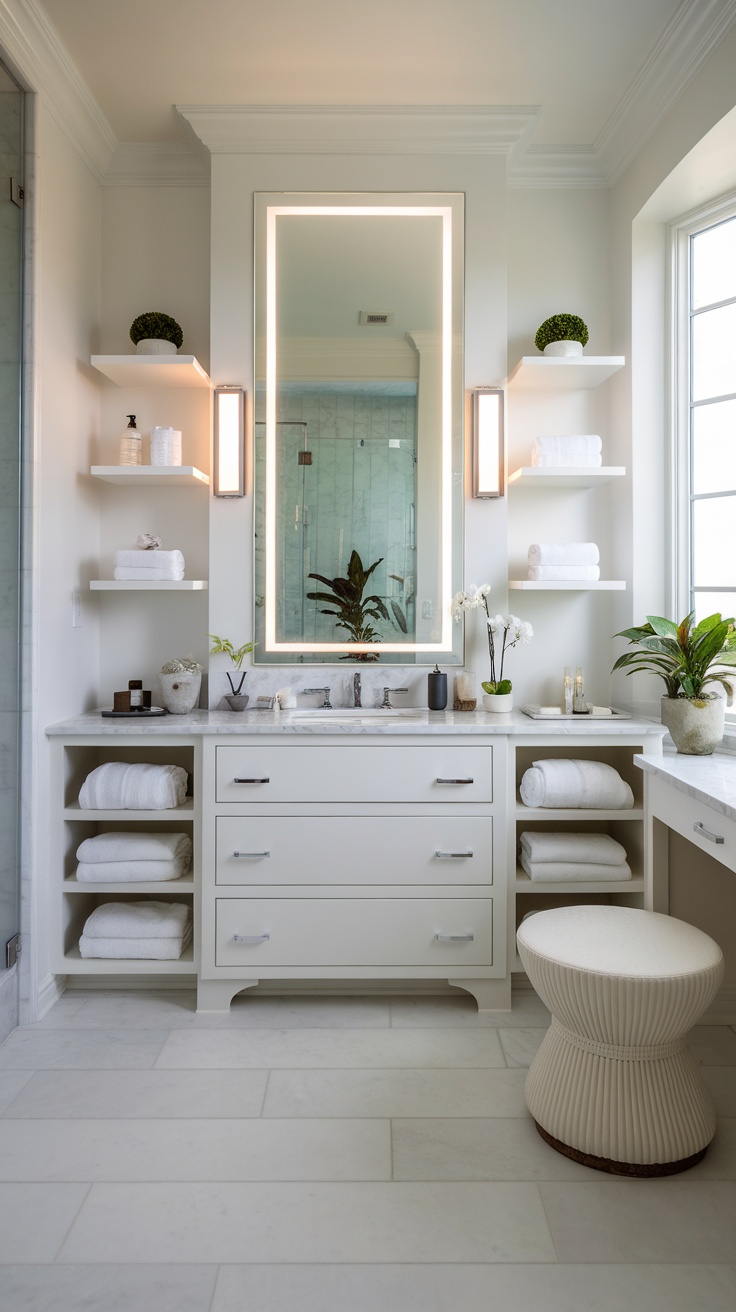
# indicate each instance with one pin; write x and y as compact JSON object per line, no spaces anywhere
{"x":635,"y":1169}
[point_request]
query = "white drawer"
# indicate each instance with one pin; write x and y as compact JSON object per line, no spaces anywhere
{"x":426,"y":849}
{"x":701,"y":824}
{"x":355,"y":773}
{"x":435,"y":932}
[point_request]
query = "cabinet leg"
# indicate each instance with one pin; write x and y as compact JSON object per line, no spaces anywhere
{"x":217,"y":994}
{"x":490,"y":994}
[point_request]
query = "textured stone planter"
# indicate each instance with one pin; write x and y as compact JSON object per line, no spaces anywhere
{"x":564,"y":348}
{"x":237,"y":701}
{"x":180,"y":692}
{"x":154,"y":346}
{"x":695,"y":726}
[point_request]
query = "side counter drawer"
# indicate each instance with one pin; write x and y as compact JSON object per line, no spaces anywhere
{"x":354,"y":773}
{"x":704,"y":826}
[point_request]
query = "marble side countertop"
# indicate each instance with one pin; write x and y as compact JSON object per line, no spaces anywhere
{"x":709,"y":779}
{"x":337,"y":722}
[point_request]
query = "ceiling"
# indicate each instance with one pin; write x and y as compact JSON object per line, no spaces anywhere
{"x":582,"y":62}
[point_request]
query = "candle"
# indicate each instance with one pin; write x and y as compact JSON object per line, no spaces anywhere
{"x":465,"y":697}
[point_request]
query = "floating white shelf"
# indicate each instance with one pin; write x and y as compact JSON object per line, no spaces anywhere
{"x":153,"y":585}
{"x":547,"y":373}
{"x":152,"y":370}
{"x":151,"y":475}
{"x":548,"y":478}
{"x":567,"y":585}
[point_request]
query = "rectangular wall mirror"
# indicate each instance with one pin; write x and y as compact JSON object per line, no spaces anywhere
{"x":358,"y":483}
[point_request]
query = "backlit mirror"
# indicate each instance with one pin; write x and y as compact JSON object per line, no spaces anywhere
{"x":358,"y":427}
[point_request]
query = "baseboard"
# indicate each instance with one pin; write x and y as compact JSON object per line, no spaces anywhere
{"x":49,"y":991}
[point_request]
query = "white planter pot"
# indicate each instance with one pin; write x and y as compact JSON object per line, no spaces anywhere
{"x":154,"y":346}
{"x":498,"y":703}
{"x":696,"y":726}
{"x":180,"y":692}
{"x":564,"y":348}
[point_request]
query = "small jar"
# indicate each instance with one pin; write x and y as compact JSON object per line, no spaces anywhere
{"x":465,"y":698}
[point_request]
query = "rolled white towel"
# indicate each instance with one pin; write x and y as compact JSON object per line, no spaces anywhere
{"x":138,"y":949}
{"x":563,"y":553}
{"x":138,"y":920}
{"x":585,"y":785}
{"x":171,"y":575}
{"x":577,"y":450}
{"x":142,"y":559}
{"x":555,"y":871}
{"x":117,"y":845}
{"x":572,"y":848}
{"x":571,"y":573}
{"x":129,"y":872}
{"x":117,"y":786}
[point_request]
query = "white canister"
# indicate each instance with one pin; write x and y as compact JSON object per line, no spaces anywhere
{"x":165,"y":446}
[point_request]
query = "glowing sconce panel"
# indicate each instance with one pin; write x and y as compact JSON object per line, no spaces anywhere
{"x":488,"y":442}
{"x":229,"y":472}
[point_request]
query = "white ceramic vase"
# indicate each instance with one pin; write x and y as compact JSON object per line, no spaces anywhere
{"x":154,"y":346}
{"x":564,"y":348}
{"x":180,"y":692}
{"x":695,"y":724}
{"x":498,"y":703}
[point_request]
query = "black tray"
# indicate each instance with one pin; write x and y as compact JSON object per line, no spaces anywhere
{"x":151,"y":713}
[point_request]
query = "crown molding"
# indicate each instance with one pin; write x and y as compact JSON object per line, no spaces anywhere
{"x":157,"y":164}
{"x":557,"y":166}
{"x":43,"y":66}
{"x":359,"y":129}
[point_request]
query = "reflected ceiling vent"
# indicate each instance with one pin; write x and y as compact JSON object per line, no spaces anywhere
{"x":378,"y":318}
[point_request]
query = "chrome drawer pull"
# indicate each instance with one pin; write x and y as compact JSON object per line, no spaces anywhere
{"x":250,"y":856}
{"x":454,"y":938}
{"x":445,"y":856}
{"x":455,"y":781}
{"x":700,"y":828}
{"x":251,"y":938}
{"x":251,"y":781}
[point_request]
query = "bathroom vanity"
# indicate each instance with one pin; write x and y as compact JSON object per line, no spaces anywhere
{"x":340,"y":847}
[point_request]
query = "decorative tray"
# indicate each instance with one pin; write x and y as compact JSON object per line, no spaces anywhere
{"x":150,"y":713}
{"x":551,"y":713}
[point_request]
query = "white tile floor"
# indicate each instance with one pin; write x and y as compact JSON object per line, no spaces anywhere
{"x":306,"y":1155}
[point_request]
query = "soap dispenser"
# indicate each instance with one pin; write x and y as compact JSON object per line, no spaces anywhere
{"x":131,"y":444}
{"x":437,"y":690}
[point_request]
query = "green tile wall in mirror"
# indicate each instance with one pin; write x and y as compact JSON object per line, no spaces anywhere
{"x":358,"y":427}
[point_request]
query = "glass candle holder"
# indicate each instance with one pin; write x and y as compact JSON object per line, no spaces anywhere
{"x":465,"y":698}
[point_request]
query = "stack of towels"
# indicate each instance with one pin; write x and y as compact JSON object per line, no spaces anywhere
{"x":573,"y":857}
{"x":133,"y":858}
{"x":117,"y":786}
{"x":584,"y":785}
{"x":145,"y":566}
{"x":157,"y":931}
{"x":572,"y":561}
{"x":581,"y":450}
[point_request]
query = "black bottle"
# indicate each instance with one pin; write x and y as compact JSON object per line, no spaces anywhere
{"x":437,"y":690}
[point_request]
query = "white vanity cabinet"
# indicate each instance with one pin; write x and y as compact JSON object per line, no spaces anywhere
{"x":360,"y":859}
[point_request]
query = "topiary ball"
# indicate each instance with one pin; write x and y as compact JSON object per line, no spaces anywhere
{"x":561,"y":328}
{"x":157,"y":325}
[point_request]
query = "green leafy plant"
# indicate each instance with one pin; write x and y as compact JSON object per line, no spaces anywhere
{"x":682,"y":655}
{"x":354,"y":611}
{"x":155,"y":324}
{"x":236,"y":654}
{"x":561,"y":328}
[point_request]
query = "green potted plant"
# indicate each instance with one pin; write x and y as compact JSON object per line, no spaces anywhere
{"x":155,"y":333}
{"x":504,"y":632}
{"x":354,"y":611}
{"x":236,"y":698}
{"x":562,"y":334}
{"x":687,"y":657}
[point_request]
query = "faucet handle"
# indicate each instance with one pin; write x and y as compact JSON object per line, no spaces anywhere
{"x":327,"y":704}
{"x":386,"y":703}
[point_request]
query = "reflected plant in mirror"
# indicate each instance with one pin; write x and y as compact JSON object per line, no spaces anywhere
{"x":354,"y":611}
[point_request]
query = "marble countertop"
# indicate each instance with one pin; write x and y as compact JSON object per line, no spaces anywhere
{"x":422,"y":722}
{"x":709,"y":779}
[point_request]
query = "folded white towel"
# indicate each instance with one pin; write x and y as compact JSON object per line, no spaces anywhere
{"x":570,"y":573}
{"x":586,"y":785}
{"x":147,"y":575}
{"x":117,"y":845}
{"x":572,"y":848}
{"x":129,"y":872}
{"x":146,"y":949}
{"x":138,"y":920}
{"x":116,"y":786}
{"x":563,"y":553}
{"x":150,"y":559}
{"x":577,"y":450}
{"x":555,"y":871}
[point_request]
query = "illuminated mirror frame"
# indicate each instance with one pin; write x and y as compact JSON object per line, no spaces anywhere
{"x":268,"y":210}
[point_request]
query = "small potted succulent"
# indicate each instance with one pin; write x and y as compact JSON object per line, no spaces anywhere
{"x":562,"y":334}
{"x":237,"y":700}
{"x":180,"y":680}
{"x":155,"y":333}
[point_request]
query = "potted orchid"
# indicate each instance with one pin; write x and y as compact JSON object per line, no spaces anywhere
{"x":504,"y":632}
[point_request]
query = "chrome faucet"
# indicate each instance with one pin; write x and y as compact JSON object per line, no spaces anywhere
{"x":356,"y":689}
{"x":386,"y":703}
{"x":327,"y":704}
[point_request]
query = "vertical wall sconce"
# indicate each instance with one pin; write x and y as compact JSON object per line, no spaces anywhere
{"x":229,"y":463}
{"x":488,"y":442}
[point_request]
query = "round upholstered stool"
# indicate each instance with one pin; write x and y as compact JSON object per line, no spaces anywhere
{"x":614,"y":1084}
